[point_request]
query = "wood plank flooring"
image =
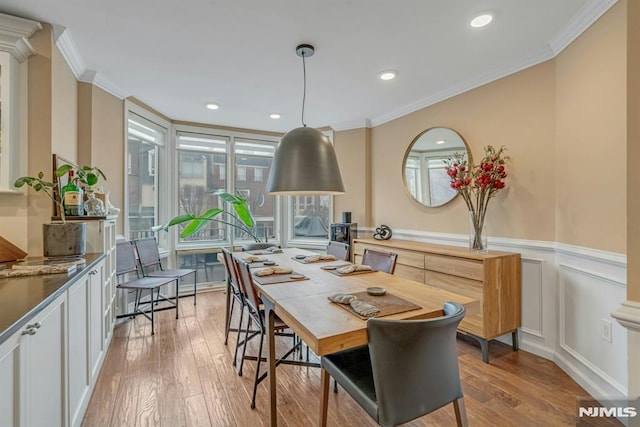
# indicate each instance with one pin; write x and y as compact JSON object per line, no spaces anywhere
{"x":182,"y":376}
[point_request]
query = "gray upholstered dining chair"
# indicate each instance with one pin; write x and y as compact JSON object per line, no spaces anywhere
{"x":381,"y":261}
{"x":408,"y":369}
{"x":339,"y":250}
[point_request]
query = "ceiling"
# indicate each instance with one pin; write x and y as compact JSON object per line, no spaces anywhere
{"x":177,"y":56}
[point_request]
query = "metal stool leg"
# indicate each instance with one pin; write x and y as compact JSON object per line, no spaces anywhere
{"x":151,"y":304}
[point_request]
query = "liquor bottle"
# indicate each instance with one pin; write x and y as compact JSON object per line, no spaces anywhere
{"x":72,"y":198}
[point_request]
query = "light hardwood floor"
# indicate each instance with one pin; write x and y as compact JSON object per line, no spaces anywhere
{"x":182,"y":376}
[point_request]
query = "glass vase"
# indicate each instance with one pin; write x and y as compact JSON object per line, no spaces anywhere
{"x":477,"y":235}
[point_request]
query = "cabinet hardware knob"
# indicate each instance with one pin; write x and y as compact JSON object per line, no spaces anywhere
{"x":34,"y":325}
{"x":92,"y":272}
{"x":30,"y":331}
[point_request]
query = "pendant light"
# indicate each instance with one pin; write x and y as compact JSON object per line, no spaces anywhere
{"x":305,"y":161}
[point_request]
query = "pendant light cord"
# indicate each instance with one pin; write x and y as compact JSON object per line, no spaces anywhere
{"x":304,"y":91}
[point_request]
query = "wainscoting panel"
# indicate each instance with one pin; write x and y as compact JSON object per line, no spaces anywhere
{"x":587,"y":299}
{"x":532,"y":302}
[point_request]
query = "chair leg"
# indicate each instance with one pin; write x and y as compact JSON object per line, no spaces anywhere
{"x":461,"y":412}
{"x":255,"y":382}
{"x":244,"y":347}
{"x":151,"y":304}
{"x":177,"y":299}
{"x":195,"y":285}
{"x":335,"y":385}
{"x":229,"y":310}
{"x":324,"y":404}
{"x":235,"y":354}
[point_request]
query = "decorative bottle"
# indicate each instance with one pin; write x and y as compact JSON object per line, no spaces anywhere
{"x":72,"y":198}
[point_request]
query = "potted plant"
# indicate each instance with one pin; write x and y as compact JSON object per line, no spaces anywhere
{"x":240,"y":218}
{"x":61,"y":238}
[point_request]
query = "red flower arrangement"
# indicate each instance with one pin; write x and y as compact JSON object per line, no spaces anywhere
{"x":477,"y":185}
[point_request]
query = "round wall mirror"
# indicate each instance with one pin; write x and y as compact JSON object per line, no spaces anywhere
{"x":423,"y":168}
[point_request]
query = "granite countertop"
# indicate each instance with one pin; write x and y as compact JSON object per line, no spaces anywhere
{"x":21,"y":298}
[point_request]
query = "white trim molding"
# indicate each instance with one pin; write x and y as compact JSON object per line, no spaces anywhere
{"x":14,"y":33}
{"x":628,"y":315}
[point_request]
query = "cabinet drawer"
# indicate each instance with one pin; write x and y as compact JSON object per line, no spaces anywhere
{"x":410,"y":258}
{"x":469,"y":268}
{"x":411,"y":273}
{"x":459,"y":285}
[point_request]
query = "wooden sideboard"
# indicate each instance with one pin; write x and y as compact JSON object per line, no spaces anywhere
{"x":493,"y":278}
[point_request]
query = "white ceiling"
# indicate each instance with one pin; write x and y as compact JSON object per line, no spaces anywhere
{"x":178,"y":55}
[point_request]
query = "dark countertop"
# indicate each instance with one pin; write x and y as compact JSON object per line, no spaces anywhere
{"x":21,"y":298}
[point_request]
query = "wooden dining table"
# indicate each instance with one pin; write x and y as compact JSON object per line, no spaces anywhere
{"x":324,"y":327}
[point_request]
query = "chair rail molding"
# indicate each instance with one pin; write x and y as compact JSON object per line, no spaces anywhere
{"x":14,"y":33}
{"x":628,"y":315}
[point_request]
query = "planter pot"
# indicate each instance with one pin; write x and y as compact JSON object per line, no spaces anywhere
{"x":64,"y":239}
{"x":256,"y":246}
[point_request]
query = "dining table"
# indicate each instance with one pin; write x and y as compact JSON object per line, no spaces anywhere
{"x":303,"y":304}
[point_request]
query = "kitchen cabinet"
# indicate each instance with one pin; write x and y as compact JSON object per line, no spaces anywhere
{"x":33,"y":369}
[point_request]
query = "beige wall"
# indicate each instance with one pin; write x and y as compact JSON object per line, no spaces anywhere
{"x":591,"y":138}
{"x":64,"y":108}
{"x":517,"y":112}
{"x":353,"y":148}
{"x":633,"y":156}
{"x":107,"y":149}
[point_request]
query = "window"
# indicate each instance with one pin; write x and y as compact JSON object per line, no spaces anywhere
{"x":311,"y":217}
{"x":257,"y":174}
{"x":202,"y":161}
{"x":145,"y":145}
{"x":256,"y":155}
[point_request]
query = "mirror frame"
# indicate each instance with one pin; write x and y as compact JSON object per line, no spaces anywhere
{"x":406,"y":156}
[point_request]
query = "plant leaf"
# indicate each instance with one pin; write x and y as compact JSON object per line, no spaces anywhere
{"x":242,"y":209}
{"x":199,"y":222}
{"x":180,"y":219}
{"x":63,"y":170}
{"x":92,"y":179}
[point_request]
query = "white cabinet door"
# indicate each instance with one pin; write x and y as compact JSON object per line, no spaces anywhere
{"x":10,"y":387}
{"x":45,"y":368}
{"x":96,"y":280}
{"x":79,"y":379}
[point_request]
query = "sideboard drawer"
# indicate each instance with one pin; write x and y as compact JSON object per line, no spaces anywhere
{"x":409,"y":272}
{"x":459,"y":285}
{"x":470,"y":268}
{"x":411,"y":258}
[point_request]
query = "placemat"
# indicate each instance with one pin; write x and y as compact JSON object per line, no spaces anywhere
{"x":261,"y":264}
{"x":259,"y":252}
{"x":388,"y":304}
{"x":303,"y":261}
{"x":277,"y":278}
{"x":335,"y":272}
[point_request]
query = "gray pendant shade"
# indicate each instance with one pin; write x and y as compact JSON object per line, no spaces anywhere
{"x":305,"y":163}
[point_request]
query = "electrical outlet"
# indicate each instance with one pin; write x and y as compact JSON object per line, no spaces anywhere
{"x":605,"y":330}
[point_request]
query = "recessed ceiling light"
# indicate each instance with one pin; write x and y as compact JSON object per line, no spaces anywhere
{"x":481,"y":20}
{"x":212,"y":106}
{"x":388,"y":75}
{"x":440,"y":142}
{"x":275,"y":116}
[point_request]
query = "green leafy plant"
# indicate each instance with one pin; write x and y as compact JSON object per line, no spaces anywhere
{"x":240,"y":218}
{"x":87,"y":175}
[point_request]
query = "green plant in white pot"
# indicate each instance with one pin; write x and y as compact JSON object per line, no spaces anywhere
{"x":62,"y":238}
{"x":240,"y":218}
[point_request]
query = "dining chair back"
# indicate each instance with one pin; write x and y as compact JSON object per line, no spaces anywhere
{"x":408,"y":369}
{"x":151,"y":264}
{"x":381,"y":261}
{"x":338,"y":249}
{"x":234,"y":294}
{"x":126,"y":265}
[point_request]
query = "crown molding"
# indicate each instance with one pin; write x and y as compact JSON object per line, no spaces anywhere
{"x":352,"y":124}
{"x":110,"y":87}
{"x":585,"y":17}
{"x":14,"y":33}
{"x":574,"y":27}
{"x":69,"y":50}
{"x":544,"y":55}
